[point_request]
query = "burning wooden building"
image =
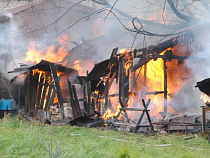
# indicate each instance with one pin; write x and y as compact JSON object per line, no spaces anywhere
{"x":158,"y":76}
{"x":131,"y":80}
{"x":45,"y":86}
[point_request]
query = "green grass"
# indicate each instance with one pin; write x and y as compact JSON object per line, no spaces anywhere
{"x":22,"y":139}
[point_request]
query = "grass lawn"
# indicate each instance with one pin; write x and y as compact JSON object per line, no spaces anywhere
{"x":22,"y":139}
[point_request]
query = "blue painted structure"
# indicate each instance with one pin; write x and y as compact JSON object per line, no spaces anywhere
{"x":7,"y":104}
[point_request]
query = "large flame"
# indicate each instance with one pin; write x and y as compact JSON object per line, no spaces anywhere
{"x":155,"y":81}
{"x":83,"y":66}
{"x":53,"y":53}
{"x":152,"y":80}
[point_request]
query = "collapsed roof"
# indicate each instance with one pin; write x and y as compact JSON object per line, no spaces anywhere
{"x":43,"y":66}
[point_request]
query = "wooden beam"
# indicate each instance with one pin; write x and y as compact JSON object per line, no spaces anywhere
{"x":84,"y":96}
{"x":106,"y":94}
{"x":53,"y":69}
{"x":76,"y":101}
{"x":72,"y":99}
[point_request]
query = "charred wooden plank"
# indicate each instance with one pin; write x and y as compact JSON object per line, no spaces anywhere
{"x":30,"y":86}
{"x":106,"y":94}
{"x":126,"y":84}
{"x":111,"y":95}
{"x":122,"y":102}
{"x":147,"y":113}
{"x":27,"y":94}
{"x":142,"y":114}
{"x":34,"y":92}
{"x":43,"y":94}
{"x":120,"y":81}
{"x":52,"y":97}
{"x":113,"y":58}
{"x":165,"y":87}
{"x":99,"y":106}
{"x":89,"y":95}
{"x":40,"y":87}
{"x":154,"y":51}
{"x":76,"y":101}
{"x":84,"y":94}
{"x":94,"y":102}
{"x":79,"y":119}
{"x":50,"y":93}
{"x":132,"y":109}
{"x":93,"y":105}
{"x":53,"y":69}
{"x":72,"y":99}
{"x":152,"y":93}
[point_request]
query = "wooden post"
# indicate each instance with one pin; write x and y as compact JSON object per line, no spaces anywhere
{"x":72,"y":99}
{"x":148,"y":116}
{"x":76,"y":101}
{"x":121,"y":85}
{"x":84,"y":96}
{"x":203,"y":119}
{"x":165,"y":87}
{"x":27,"y":93}
{"x":93,"y":103}
{"x":120,"y":81}
{"x":106,"y":94}
{"x":142,"y":114}
{"x":99,"y":106}
{"x":89,"y":95}
{"x":126,"y":85}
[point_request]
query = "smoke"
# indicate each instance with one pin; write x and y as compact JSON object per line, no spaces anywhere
{"x":200,"y":48}
{"x":188,"y":100}
{"x":95,"y":35}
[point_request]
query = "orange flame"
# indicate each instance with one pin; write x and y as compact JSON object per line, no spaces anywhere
{"x":46,"y":80}
{"x":83,"y":66}
{"x":205,"y":98}
{"x":53,"y":54}
{"x":155,"y":80}
{"x":108,"y":114}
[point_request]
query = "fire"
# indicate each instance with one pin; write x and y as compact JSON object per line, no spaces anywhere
{"x":83,"y":66}
{"x":205,"y":98}
{"x":108,"y":114}
{"x":53,"y":54}
{"x":154,"y":81}
{"x":149,"y":83}
{"x":46,"y":81}
{"x":121,"y":51}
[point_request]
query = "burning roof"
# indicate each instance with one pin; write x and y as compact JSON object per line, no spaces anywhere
{"x":43,"y":66}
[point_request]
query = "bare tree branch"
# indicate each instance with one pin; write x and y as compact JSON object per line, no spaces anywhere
{"x":180,"y":15}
